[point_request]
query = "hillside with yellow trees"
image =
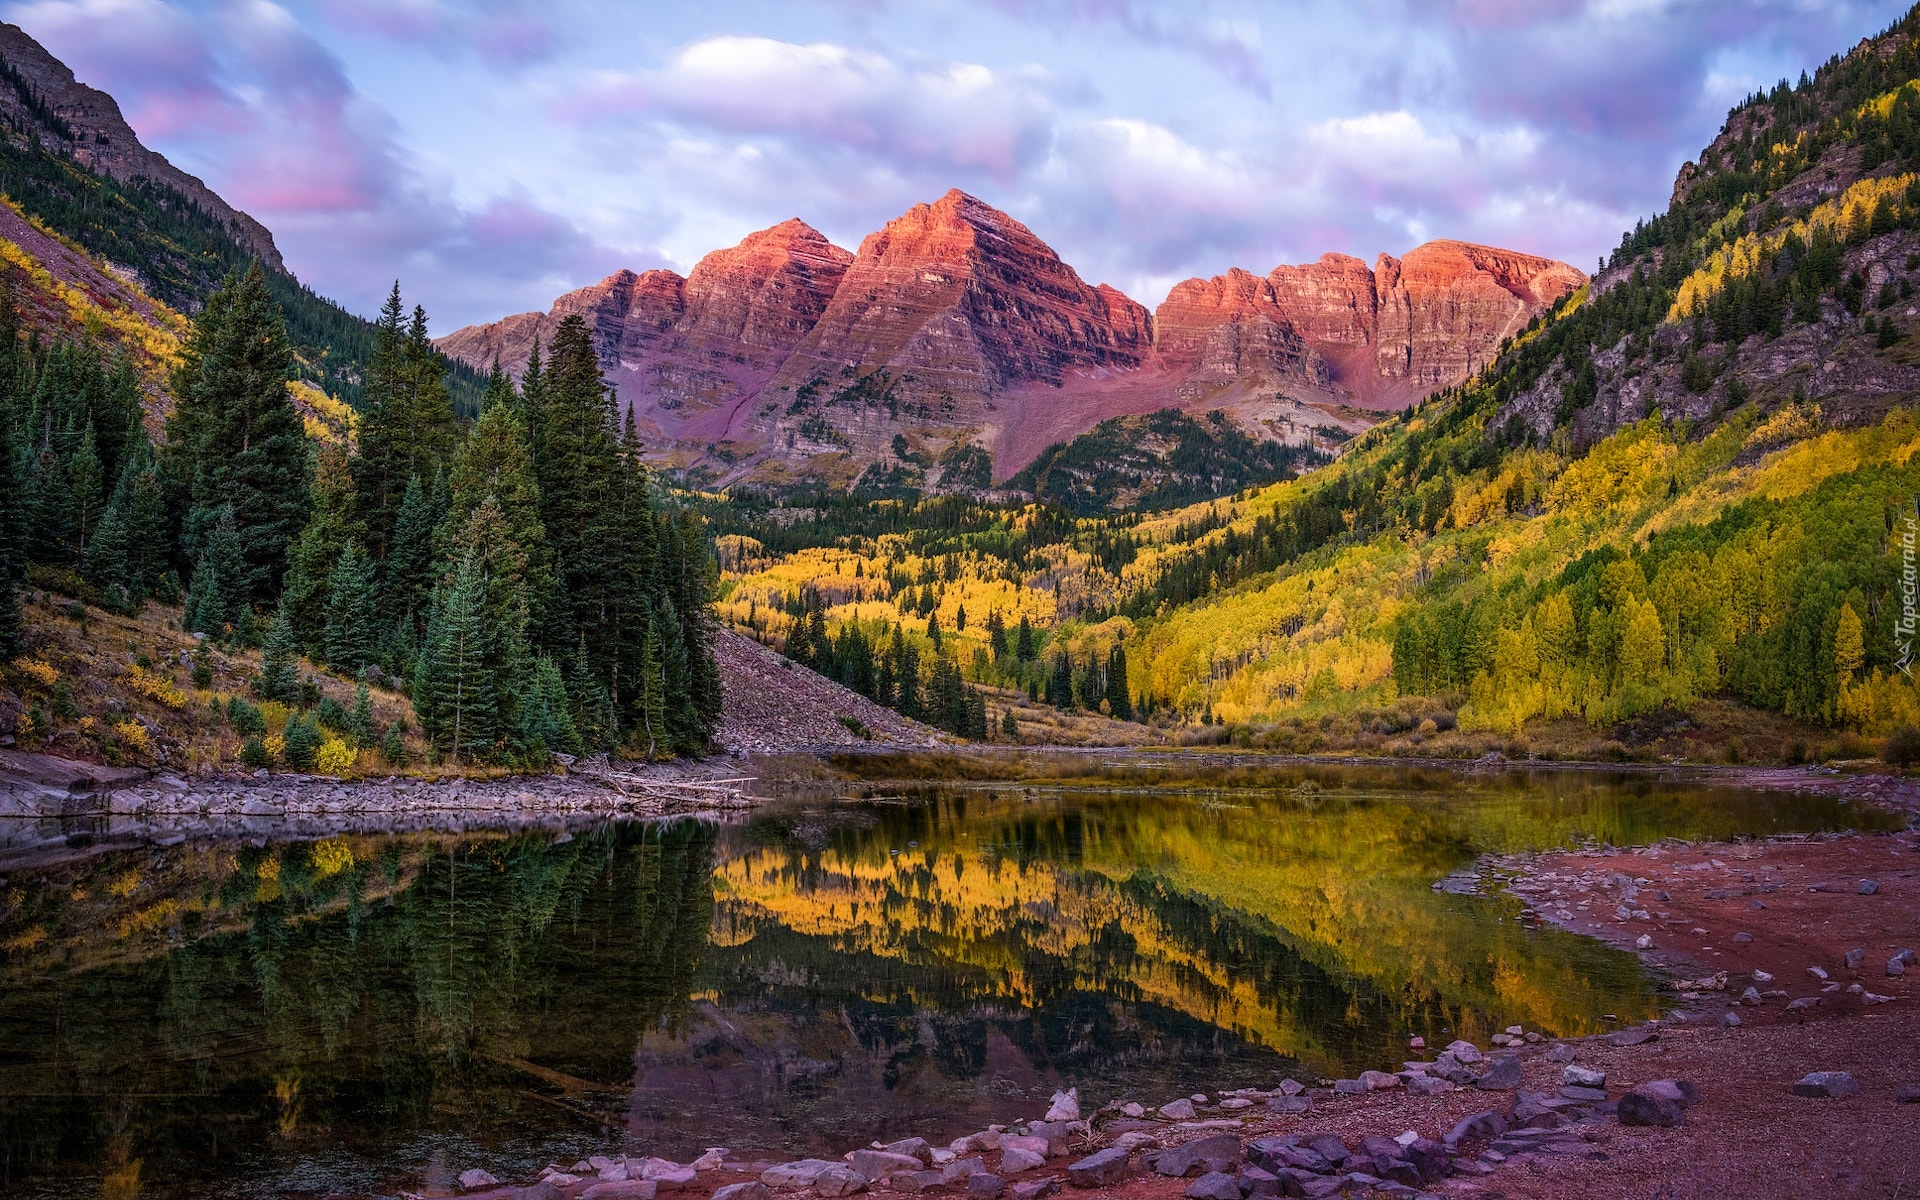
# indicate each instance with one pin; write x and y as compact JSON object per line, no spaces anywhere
{"x":1675,"y":504}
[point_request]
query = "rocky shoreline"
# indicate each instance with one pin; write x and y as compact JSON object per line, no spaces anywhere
{"x":57,"y":806}
{"x":1528,"y":1110}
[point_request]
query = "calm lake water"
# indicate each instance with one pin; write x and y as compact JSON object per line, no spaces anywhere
{"x":250,"y":1017}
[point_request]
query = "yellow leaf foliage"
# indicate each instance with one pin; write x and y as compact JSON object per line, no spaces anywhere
{"x":1846,"y":213}
{"x":39,"y":670}
{"x":155,"y":686}
{"x":335,"y":757}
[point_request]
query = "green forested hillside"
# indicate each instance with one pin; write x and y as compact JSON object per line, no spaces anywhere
{"x":1159,"y":460}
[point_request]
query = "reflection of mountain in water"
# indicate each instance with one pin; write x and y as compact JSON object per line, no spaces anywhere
{"x":373,"y":992}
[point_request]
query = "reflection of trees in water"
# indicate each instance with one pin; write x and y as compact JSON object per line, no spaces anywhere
{"x":370,"y":1017}
{"x":1303,"y":924}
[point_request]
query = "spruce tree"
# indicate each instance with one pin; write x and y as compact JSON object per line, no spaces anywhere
{"x":1119,"y":698}
{"x":408,"y":426}
{"x":996,"y":635}
{"x":215,"y":599}
{"x":1060,"y":684}
{"x":455,"y":694}
{"x":12,"y":569}
{"x":360,"y":723}
{"x":409,"y":561}
{"x":909,"y":704}
{"x":280,"y":662}
{"x":1023,"y":647}
{"x":234,"y":442}
{"x":87,"y":485}
{"x":353,"y":612}
{"x":494,"y":465}
{"x":49,"y":505}
{"x":333,"y":523}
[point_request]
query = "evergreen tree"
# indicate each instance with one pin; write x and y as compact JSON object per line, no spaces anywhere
{"x":360,"y":723}
{"x":548,"y":723}
{"x":1009,"y":726}
{"x":127,"y":553}
{"x":1119,"y":698}
{"x":996,"y":635}
{"x":454,"y":689}
{"x":410,"y":558}
{"x":280,"y":662}
{"x":87,"y":485}
{"x":49,"y":505}
{"x":353,"y":612}
{"x":1060,"y":683}
{"x":933,"y":632}
{"x":1023,"y":647}
{"x":216,"y":598}
{"x":407,"y":428}
{"x":494,"y":464}
{"x":907,"y":674}
{"x":12,"y":568}
{"x":332,"y":525}
{"x":234,"y":442}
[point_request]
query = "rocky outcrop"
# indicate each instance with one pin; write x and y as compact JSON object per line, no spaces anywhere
{"x":677,"y":347}
{"x":1229,"y":329}
{"x":101,"y":140}
{"x":787,"y":358}
{"x":1379,"y":337}
{"x":966,"y":300}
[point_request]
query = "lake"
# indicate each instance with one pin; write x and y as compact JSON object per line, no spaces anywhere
{"x":243,"y":1015}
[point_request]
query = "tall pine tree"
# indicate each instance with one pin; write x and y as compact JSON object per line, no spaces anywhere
{"x":234,"y":442}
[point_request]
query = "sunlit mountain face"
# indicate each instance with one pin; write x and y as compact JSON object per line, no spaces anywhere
{"x":217,"y":1017}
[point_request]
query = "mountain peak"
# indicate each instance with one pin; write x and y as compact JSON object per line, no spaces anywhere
{"x":91,"y":130}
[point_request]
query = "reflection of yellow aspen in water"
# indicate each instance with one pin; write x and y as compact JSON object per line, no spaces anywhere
{"x":269,"y":889}
{"x":331,"y":857}
{"x":286,"y":1095}
{"x":122,"y":1182}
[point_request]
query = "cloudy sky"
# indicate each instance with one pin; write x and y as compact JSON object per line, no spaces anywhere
{"x":493,"y":153}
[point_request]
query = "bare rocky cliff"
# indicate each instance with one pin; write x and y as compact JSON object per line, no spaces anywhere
{"x":786,"y":359}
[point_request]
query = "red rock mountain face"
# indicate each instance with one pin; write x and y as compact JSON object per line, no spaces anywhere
{"x":787,"y":358}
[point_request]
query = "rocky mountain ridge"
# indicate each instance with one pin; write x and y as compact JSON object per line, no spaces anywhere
{"x":955,"y":331}
{"x":41,"y":99}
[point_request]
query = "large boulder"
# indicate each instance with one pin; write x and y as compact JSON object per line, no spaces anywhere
{"x":1209,"y":1155}
{"x":1830,"y":1085}
{"x":1103,"y":1169}
{"x":875,"y":1165}
{"x":795,"y":1176}
{"x":1488,"y":1124}
{"x":753,"y":1189}
{"x":1214,"y":1185}
{"x":1503,"y":1076}
{"x":1014,"y":1160}
{"x":1662,"y":1102}
{"x":839,"y":1180}
{"x":914,"y":1147}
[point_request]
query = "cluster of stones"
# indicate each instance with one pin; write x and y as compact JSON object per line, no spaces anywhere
{"x":1006,"y":1163}
{"x":1853,"y":961}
